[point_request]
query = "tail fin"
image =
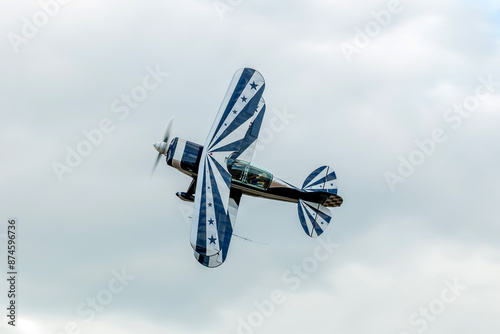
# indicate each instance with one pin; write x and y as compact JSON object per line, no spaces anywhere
{"x":320,"y":192}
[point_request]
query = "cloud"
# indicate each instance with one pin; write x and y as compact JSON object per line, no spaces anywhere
{"x":107,"y":214}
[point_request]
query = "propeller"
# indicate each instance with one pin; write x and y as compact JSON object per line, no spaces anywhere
{"x":162,"y":146}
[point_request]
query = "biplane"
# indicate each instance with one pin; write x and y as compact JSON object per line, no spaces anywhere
{"x":222,"y":171}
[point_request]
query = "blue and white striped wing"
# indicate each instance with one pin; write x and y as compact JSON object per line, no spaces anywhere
{"x":240,"y":116}
{"x":220,"y":236}
{"x":246,"y":149}
{"x":235,"y":130}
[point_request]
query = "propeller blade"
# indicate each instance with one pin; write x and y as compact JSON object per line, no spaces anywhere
{"x":162,"y":147}
{"x":168,"y":130}
{"x":156,"y":164}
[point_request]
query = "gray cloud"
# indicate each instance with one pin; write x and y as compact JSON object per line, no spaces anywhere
{"x":395,"y":247}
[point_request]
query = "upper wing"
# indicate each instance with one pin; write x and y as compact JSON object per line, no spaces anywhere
{"x":233,"y":132}
{"x":248,"y":143}
{"x":238,"y":122}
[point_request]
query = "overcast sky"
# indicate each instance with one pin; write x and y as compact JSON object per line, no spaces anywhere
{"x":374,"y":88}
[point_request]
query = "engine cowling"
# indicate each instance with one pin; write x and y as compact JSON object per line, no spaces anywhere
{"x":184,"y":156}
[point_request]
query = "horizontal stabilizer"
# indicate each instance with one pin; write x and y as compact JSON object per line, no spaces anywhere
{"x":314,"y":217}
{"x":322,"y":179}
{"x":321,"y":187}
{"x":319,"y":192}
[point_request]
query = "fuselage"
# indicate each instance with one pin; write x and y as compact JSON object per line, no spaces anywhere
{"x":252,"y":180}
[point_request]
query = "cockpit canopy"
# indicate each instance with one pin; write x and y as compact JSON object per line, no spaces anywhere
{"x":248,"y":174}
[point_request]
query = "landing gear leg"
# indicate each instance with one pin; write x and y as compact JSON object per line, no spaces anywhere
{"x":189,"y":195}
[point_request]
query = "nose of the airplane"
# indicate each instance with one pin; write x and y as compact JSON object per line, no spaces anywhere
{"x":161,"y":147}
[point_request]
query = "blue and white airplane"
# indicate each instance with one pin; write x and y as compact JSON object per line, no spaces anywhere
{"x":222,"y":172}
